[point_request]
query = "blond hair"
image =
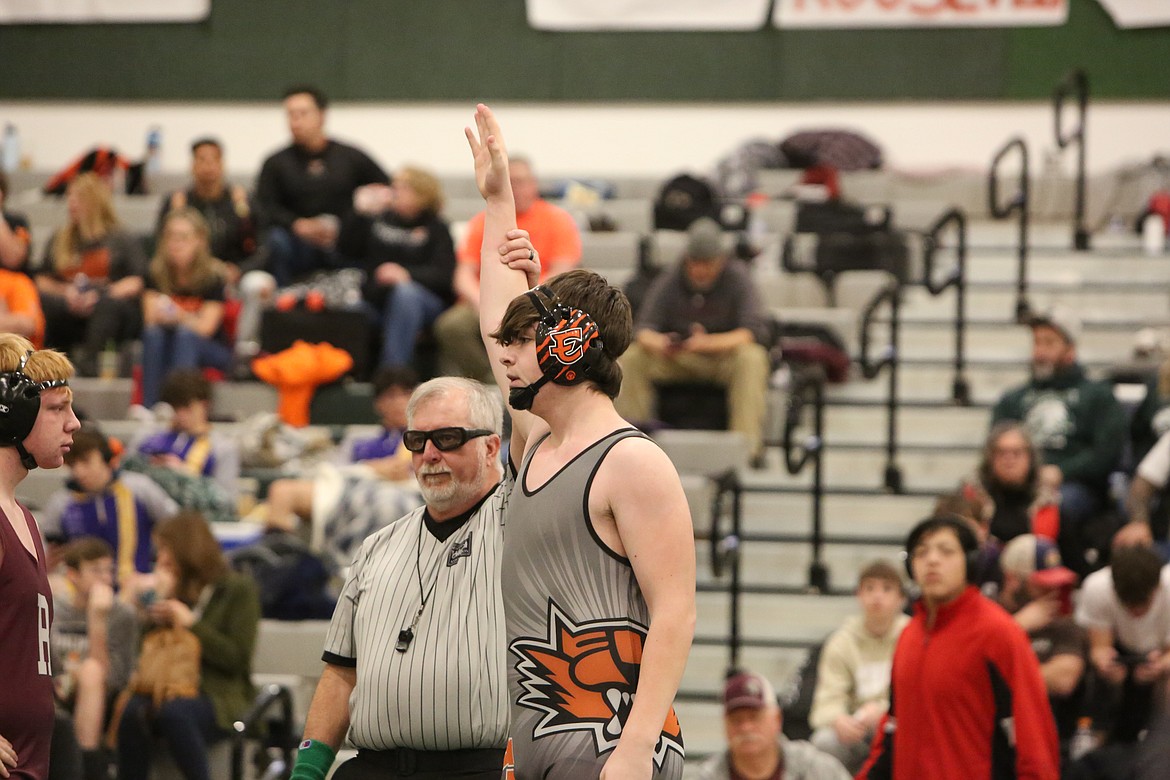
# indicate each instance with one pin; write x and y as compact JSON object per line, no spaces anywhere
{"x":44,"y":365}
{"x":426,"y":185}
{"x":204,"y":269}
{"x":96,"y":223}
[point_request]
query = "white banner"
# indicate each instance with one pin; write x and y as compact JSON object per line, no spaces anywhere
{"x":1138,"y":13}
{"x":921,"y":13}
{"x":94,"y":11}
{"x":576,"y":15}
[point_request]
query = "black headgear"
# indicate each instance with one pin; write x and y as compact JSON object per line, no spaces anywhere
{"x":967,"y":539}
{"x":568,"y":343}
{"x":20,"y":402}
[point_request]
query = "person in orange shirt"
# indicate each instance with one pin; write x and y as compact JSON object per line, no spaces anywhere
{"x":20,"y":307}
{"x":552,"y":231}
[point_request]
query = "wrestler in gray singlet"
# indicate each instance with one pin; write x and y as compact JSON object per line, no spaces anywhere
{"x":575,"y":621}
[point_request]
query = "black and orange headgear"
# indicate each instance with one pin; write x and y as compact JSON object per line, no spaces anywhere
{"x":568,"y":343}
{"x":20,"y":403}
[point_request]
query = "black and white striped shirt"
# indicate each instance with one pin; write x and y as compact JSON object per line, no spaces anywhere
{"x":447,"y":690}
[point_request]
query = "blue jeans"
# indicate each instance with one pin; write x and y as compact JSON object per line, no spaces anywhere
{"x":165,"y":349}
{"x":186,"y":725}
{"x":290,"y":258}
{"x":410,"y":307}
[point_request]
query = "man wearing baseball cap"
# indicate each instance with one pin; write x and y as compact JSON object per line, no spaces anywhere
{"x":702,"y":321}
{"x":756,"y":748}
{"x":1076,"y":423}
{"x":1037,"y":590}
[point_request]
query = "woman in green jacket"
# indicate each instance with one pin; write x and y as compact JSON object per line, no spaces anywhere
{"x":196,"y":590}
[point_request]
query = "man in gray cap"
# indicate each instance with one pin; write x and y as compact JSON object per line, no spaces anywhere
{"x":701,"y":321}
{"x":1076,"y":423}
{"x":756,"y":748}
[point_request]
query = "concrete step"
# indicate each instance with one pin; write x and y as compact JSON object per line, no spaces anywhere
{"x":1004,"y":341}
{"x":708,"y":663}
{"x":776,"y":618}
{"x":917,"y":425}
{"x":102,"y":399}
{"x":35,"y":489}
{"x":930,"y":383}
{"x":1092,"y":302}
{"x":922,"y":470}
{"x":843,"y":515}
{"x":1051,"y":235}
{"x":786,"y":564}
{"x":702,"y":725}
{"x":985,"y":265}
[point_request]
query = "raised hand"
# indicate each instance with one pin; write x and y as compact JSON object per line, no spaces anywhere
{"x":489,"y":154}
{"x":520,"y":255}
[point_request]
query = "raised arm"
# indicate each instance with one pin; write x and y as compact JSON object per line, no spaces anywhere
{"x":498,"y":282}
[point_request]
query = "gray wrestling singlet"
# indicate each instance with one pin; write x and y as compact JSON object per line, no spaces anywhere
{"x":576,"y":622}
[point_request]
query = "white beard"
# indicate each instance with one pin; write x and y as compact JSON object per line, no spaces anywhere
{"x":452,"y":493}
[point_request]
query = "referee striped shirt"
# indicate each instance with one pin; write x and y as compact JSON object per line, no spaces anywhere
{"x":448,"y":691}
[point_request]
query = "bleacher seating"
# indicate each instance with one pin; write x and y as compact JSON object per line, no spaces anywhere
{"x":1116,"y":289}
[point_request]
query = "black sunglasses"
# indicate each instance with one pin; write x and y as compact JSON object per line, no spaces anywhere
{"x":445,"y":439}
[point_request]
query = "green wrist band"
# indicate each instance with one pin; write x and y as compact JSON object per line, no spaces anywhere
{"x":313,"y":761}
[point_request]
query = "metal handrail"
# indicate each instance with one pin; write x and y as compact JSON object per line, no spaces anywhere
{"x":725,"y":553}
{"x":890,"y":294}
{"x":272,"y":696}
{"x":957,"y":278}
{"x":1076,"y":84}
{"x":1017,"y":204}
{"x":809,"y":390}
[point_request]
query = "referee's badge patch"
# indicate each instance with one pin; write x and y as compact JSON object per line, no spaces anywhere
{"x":459,"y":550}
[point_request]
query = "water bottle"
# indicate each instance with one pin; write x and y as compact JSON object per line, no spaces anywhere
{"x":1153,"y":234}
{"x":11,"y":152}
{"x":1083,"y":741}
{"x":154,"y":150}
{"x":108,"y":362}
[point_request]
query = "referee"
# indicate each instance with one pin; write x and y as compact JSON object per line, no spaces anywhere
{"x":414,"y":658}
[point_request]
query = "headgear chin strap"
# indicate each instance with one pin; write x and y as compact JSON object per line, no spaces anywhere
{"x":20,"y":403}
{"x":568,"y":344}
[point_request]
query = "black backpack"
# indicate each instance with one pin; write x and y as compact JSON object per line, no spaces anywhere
{"x":293,"y":581}
{"x":682,"y":200}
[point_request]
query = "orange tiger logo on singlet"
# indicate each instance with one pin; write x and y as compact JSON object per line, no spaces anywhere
{"x":583,"y":677}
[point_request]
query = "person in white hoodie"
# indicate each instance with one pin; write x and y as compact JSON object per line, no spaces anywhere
{"x":853,"y":676}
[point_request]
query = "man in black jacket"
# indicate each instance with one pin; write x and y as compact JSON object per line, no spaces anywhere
{"x":306,"y":190}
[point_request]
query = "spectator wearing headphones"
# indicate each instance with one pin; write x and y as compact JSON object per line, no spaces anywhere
{"x":118,"y":507}
{"x":966,"y":695}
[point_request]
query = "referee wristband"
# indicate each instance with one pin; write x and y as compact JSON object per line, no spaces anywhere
{"x":314,"y":759}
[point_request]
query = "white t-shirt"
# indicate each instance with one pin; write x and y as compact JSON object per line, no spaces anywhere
{"x":1155,"y":467}
{"x":1099,"y":607}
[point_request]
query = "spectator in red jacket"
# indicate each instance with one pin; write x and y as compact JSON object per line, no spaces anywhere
{"x":966,"y":695}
